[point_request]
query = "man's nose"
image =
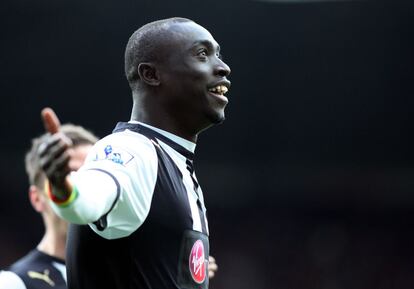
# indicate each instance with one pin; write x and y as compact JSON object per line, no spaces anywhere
{"x":222,"y":69}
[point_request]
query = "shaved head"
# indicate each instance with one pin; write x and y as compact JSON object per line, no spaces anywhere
{"x":144,"y":46}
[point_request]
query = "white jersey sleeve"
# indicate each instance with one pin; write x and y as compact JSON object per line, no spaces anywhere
{"x":10,"y":280}
{"x":117,"y":181}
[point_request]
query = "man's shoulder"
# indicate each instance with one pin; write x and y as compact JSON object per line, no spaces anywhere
{"x":15,"y":275}
{"x":31,"y":260}
{"x":34,"y":260}
{"x":36,"y":269}
{"x":125,"y":138}
{"x":122,"y":147}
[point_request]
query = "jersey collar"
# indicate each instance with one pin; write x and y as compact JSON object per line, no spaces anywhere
{"x":179,"y":144}
{"x":181,"y":141}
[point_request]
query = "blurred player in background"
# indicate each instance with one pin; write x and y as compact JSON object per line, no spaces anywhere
{"x":44,"y":266}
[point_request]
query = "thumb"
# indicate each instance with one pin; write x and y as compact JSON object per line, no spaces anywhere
{"x":50,"y":120}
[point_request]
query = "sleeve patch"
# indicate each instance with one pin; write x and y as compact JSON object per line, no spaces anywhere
{"x":114,"y":154}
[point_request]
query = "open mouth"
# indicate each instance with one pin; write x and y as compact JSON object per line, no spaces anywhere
{"x":218,"y":91}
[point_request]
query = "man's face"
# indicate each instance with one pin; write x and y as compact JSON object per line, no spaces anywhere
{"x":194,"y":77}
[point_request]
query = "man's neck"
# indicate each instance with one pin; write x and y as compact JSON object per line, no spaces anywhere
{"x":154,"y":117}
{"x":53,"y":245}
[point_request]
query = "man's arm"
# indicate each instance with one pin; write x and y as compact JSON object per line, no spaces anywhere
{"x":115,"y":192}
{"x":55,"y":155}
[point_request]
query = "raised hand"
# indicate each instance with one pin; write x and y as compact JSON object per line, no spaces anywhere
{"x":54,"y":155}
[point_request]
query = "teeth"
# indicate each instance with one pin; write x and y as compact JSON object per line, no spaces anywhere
{"x":221,"y":89}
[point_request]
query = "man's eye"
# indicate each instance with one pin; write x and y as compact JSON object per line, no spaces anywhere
{"x":202,"y":52}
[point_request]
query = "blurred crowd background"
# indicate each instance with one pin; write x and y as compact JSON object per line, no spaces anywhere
{"x":309,"y":182}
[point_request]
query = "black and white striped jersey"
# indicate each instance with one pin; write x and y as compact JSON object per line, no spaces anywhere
{"x":152,"y":230}
{"x":36,"y":270}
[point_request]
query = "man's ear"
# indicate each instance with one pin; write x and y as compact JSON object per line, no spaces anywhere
{"x":36,"y":199}
{"x":148,"y":73}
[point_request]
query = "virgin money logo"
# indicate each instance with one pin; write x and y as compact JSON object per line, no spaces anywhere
{"x":197,"y":262}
